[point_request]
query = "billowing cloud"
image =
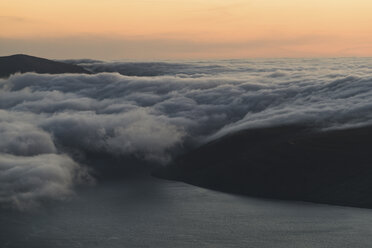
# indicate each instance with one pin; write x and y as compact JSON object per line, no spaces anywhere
{"x":24,"y":181}
{"x":149,"y":110}
{"x":23,"y":139}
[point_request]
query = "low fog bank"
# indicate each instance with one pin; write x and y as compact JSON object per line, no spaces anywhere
{"x":158,"y":110}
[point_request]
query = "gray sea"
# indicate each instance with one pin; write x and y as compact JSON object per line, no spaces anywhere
{"x":157,"y":213}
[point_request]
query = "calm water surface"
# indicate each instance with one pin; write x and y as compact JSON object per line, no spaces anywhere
{"x":157,"y":213}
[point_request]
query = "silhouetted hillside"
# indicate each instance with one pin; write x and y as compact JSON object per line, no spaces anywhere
{"x":25,"y":63}
{"x":289,"y":162}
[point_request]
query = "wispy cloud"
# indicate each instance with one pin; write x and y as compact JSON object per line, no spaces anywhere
{"x":161,"y":47}
{"x":18,"y":19}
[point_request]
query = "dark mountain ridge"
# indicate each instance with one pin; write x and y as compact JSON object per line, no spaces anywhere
{"x":25,"y":63}
{"x":288,"y":162}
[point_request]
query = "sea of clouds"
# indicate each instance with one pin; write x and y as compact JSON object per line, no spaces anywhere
{"x":149,"y":110}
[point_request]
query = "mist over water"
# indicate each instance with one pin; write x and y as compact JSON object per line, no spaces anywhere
{"x":48,"y":123}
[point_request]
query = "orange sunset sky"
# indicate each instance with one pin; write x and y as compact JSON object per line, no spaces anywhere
{"x":186,"y":29}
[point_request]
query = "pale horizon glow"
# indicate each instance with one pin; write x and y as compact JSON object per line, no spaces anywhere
{"x":180,"y":29}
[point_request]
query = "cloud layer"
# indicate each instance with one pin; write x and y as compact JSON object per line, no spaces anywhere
{"x":150,"y":109}
{"x":24,"y":181}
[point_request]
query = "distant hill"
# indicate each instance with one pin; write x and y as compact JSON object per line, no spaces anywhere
{"x":25,"y":63}
{"x":290,"y":162}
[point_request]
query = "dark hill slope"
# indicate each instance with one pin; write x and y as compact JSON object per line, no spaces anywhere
{"x":290,"y":162}
{"x":25,"y":63}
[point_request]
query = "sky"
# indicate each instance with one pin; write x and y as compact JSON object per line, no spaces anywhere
{"x":186,"y":29}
